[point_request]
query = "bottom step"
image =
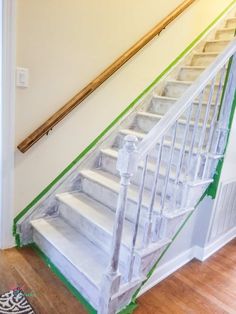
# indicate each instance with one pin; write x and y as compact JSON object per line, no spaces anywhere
{"x":78,"y":259}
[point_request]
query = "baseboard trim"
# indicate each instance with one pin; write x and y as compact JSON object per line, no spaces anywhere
{"x":203,"y":253}
{"x":182,"y":259}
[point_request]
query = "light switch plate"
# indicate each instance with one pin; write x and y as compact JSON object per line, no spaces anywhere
{"x":22,"y":77}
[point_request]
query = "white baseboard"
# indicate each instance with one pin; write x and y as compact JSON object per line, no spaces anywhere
{"x":202,"y":253}
{"x":167,"y":269}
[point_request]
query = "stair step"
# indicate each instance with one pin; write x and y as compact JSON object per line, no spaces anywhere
{"x":161,"y":104}
{"x":190,"y":73}
{"x":109,"y":157}
{"x":175,"y":89}
{"x":158,"y":117}
{"x":216,"y":45}
{"x":231,"y":23}
{"x":95,"y":221}
{"x":104,"y":187}
{"x":78,"y":259}
{"x":145,"y":121}
{"x":203,"y":58}
{"x":225,"y":33}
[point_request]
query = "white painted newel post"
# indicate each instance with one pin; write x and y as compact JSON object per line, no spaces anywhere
{"x":127,"y":166}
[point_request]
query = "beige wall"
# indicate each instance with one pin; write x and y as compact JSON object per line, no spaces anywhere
{"x":65,"y":44}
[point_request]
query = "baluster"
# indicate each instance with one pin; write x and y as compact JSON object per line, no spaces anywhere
{"x":139,"y":206}
{"x":193,"y":137}
{"x":182,"y":154}
{"x":213,"y":121}
{"x":204,"y":127}
{"x":127,"y":166}
{"x":190,"y":153}
{"x":163,"y":195}
{"x":148,"y":227}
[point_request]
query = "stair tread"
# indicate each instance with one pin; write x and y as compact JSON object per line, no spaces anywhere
{"x":226,"y":29}
{"x":97,"y":213}
{"x":76,"y":248}
{"x":231,"y":19}
{"x":217,"y":40}
{"x":138,"y":134}
{"x":151,"y":165}
{"x":198,"y":67}
{"x":113,"y":182}
{"x":204,"y":53}
{"x":175,"y":99}
{"x":160,"y":116}
{"x":176,"y":81}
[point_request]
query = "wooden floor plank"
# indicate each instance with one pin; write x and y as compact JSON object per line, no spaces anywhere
{"x":196,"y":288}
{"x":203,"y":288}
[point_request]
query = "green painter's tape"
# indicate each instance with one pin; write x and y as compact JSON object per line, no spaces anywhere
{"x":57,"y":272}
{"x":114,"y":122}
{"x":212,"y":190}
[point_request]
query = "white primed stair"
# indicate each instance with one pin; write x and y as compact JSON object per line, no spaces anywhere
{"x":74,"y":226}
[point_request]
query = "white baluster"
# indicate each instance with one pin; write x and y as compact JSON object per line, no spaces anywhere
{"x":127,"y":166}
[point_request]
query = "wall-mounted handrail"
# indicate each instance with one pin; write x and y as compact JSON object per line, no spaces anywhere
{"x":93,"y":85}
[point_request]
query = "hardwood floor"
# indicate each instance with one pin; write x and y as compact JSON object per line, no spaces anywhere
{"x":198,"y":288}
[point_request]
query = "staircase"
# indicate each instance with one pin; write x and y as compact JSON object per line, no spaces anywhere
{"x":109,"y":219}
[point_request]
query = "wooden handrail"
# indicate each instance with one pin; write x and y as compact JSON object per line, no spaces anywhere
{"x":93,"y":85}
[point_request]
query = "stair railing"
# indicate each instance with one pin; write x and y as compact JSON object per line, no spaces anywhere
{"x":194,"y":131}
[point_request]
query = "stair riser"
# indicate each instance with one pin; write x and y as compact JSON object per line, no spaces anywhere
{"x":195,"y":192}
{"x":93,"y":232}
{"x":145,"y":124}
{"x":231,"y":23}
{"x":148,"y":262}
{"x":79,"y":280}
{"x":215,"y":47}
{"x":109,"y":198}
{"x":153,"y":153}
{"x":176,"y":90}
{"x":124,"y":299}
{"x":225,"y":35}
{"x":189,"y":74}
{"x":200,"y":60}
{"x":170,"y":226}
{"x":161,"y":108}
{"x":108,"y":164}
{"x":186,"y":74}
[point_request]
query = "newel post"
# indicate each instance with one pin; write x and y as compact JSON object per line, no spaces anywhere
{"x":126,"y":165}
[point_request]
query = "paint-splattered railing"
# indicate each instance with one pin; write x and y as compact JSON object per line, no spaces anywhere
{"x":177,"y":157}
